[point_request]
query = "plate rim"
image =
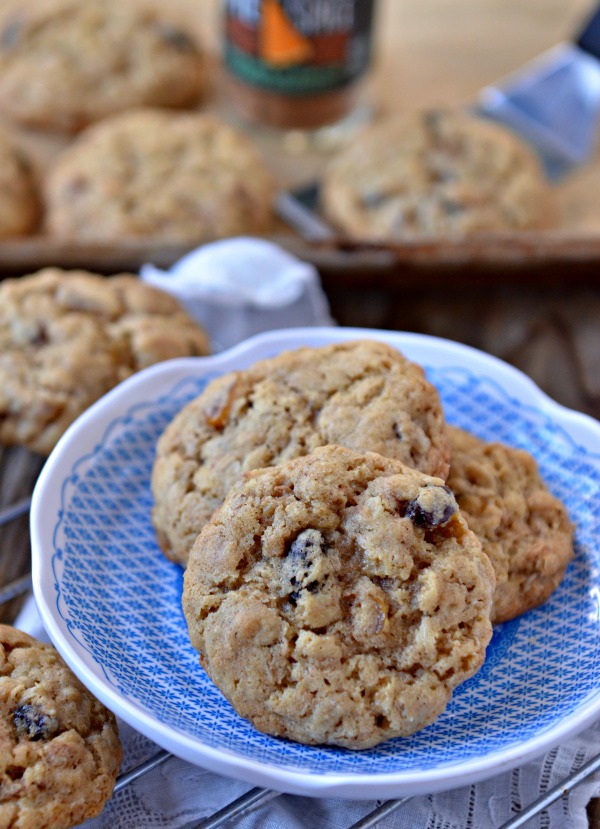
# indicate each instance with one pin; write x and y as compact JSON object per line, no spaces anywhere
{"x":352,"y":785}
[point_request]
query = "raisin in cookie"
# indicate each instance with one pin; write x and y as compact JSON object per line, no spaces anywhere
{"x":59,"y":746}
{"x":339,"y":598}
{"x":523,"y":528}
{"x":20,"y":204}
{"x":435,"y":173}
{"x":67,"y":337}
{"x":362,"y":394}
{"x":65,"y":64}
{"x":174,"y":176}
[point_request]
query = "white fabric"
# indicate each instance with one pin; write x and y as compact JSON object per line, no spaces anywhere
{"x":237,"y":288}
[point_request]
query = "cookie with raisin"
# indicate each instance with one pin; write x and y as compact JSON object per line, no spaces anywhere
{"x":68,"y":337}
{"x":20,"y":200}
{"x":363,"y":394}
{"x":150,"y":173}
{"x":65,"y":64}
{"x":524,"y":529}
{"x":436,"y":173}
{"x":60,"y":750}
{"x":339,"y":598}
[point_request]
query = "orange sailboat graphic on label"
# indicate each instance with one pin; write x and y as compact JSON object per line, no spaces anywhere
{"x":279,"y":43}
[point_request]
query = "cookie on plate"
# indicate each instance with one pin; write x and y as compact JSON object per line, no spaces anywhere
{"x":362,"y":394}
{"x":20,"y":203}
{"x":59,"y":746}
{"x":66,"y":63}
{"x":67,"y":337}
{"x":152,"y":173}
{"x":523,"y":528}
{"x":435,"y":173}
{"x":339,"y":598}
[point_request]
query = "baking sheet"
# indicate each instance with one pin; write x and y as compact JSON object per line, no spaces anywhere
{"x":429,"y":53}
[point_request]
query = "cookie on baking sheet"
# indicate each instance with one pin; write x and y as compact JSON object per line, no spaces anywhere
{"x":339,"y":598}
{"x":362,"y":394}
{"x":67,"y":337}
{"x":435,"y":173}
{"x":66,"y":63}
{"x":59,"y":746}
{"x":523,"y":528}
{"x":20,"y":203}
{"x":151,"y":173}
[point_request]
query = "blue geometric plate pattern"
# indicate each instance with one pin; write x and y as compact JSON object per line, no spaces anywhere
{"x":111,"y":601}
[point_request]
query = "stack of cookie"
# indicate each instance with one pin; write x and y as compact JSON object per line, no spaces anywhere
{"x":346,"y":551}
{"x":147,"y":161}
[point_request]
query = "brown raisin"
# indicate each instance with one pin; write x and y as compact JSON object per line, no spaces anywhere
{"x":433,"y":507}
{"x":32,"y":722}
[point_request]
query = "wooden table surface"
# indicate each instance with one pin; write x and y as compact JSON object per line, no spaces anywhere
{"x":432,"y":52}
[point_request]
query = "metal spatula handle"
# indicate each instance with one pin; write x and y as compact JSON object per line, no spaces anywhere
{"x":589,"y":37}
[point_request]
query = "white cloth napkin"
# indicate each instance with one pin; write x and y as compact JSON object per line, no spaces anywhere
{"x":237,"y":288}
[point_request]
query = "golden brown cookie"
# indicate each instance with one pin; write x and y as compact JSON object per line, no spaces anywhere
{"x":20,"y":203}
{"x":151,"y":173}
{"x":65,"y":63}
{"x":523,"y":528}
{"x":67,"y":337}
{"x":436,"y":173}
{"x":339,"y":598}
{"x":59,"y":746}
{"x":362,"y":394}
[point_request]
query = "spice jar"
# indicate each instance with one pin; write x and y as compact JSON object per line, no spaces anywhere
{"x":296,"y":64}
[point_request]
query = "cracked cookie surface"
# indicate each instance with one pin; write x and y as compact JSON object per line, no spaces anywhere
{"x":181,"y":176}
{"x":68,"y":337}
{"x":65,"y":64}
{"x":523,"y":528}
{"x":59,"y":746}
{"x":362,"y":394}
{"x":435,"y":173}
{"x":339,"y":598}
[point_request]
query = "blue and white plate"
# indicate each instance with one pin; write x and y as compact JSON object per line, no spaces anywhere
{"x":111,"y":602}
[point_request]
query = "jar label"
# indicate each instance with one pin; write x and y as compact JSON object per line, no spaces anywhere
{"x":298,"y":47}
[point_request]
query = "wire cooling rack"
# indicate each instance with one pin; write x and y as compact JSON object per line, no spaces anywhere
{"x":257,"y":797}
